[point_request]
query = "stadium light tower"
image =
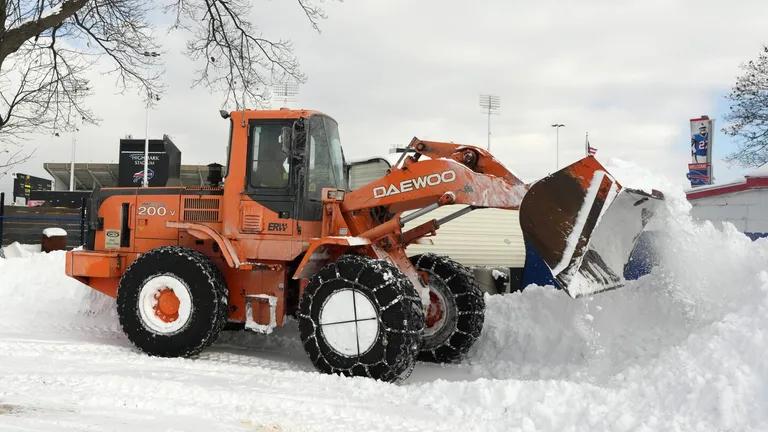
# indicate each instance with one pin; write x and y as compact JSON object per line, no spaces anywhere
{"x":285,"y":91}
{"x":490,"y":104}
{"x":557,"y":127}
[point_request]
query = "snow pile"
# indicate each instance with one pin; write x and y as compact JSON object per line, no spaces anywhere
{"x":682,"y":348}
{"x":18,"y":250}
{"x":35,"y":293}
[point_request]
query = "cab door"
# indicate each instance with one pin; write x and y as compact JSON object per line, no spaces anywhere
{"x":267,"y":206}
{"x":324,"y":165}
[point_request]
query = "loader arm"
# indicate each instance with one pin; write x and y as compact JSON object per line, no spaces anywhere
{"x":372,"y":215}
{"x":453,"y":174}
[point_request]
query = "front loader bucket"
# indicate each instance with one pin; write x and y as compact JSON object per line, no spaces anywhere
{"x":583,"y":225}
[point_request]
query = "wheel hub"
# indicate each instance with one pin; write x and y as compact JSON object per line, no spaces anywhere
{"x":165,"y":304}
{"x":349,"y":322}
{"x":167,"y":307}
{"x":435,"y":311}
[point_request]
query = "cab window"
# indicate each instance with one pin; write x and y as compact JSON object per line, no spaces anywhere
{"x":229,"y":151}
{"x":326,"y":162}
{"x":270,"y":167}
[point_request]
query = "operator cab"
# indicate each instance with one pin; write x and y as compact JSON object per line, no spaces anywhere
{"x":290,"y":161}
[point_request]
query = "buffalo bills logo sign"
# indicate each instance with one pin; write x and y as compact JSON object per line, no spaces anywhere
{"x":138,"y":178}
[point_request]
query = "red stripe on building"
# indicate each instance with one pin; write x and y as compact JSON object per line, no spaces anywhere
{"x":748,"y":184}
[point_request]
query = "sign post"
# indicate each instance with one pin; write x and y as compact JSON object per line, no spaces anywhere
{"x":700,"y":167}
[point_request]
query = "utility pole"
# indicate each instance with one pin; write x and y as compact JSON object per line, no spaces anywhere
{"x":491,"y":104}
{"x":557,"y":127}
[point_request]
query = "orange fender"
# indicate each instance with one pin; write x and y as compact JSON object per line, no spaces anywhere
{"x":321,"y":251}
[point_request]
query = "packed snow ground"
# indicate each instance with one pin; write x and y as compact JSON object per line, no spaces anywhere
{"x":683,"y":348}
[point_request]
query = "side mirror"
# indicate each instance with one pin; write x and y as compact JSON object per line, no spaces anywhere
{"x":285,"y":140}
{"x":363,"y":172}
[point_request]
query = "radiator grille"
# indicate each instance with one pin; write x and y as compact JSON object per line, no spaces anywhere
{"x":201,"y":209}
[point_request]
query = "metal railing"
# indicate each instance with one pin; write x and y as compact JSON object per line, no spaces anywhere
{"x":26,"y":224}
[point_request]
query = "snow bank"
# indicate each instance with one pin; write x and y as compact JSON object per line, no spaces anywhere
{"x":18,"y":250}
{"x":35,"y":293}
{"x":682,"y":348}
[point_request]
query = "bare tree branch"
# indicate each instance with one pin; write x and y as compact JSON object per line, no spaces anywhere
{"x":313,"y":12}
{"x":47,"y":48}
{"x":235,"y":57}
{"x":748,"y":116}
{"x":14,"y":38}
{"x":12,"y":157}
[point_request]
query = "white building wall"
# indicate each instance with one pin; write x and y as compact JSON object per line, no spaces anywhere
{"x":361,"y":175}
{"x":747,"y":210}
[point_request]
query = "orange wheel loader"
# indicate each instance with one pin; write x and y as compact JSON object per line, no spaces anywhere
{"x":284,"y":237}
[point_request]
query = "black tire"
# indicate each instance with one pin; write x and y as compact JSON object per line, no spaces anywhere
{"x":399,"y":319}
{"x":450,"y":333}
{"x":207,"y":295}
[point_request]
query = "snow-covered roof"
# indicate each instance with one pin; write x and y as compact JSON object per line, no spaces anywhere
{"x":757,"y":179}
{"x":761,"y":171}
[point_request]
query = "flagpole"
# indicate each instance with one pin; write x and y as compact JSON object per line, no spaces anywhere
{"x":587,"y":146}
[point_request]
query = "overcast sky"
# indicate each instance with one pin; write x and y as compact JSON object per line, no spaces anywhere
{"x":630,"y":72}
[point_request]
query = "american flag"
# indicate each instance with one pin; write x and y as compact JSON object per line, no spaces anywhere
{"x":590,"y":150}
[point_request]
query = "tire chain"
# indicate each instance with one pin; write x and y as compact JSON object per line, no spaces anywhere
{"x":214,"y":277}
{"x":393,"y":279}
{"x":476,"y":316}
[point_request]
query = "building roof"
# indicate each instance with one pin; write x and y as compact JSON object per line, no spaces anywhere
{"x":88,"y":176}
{"x":761,"y":171}
{"x":757,"y":179}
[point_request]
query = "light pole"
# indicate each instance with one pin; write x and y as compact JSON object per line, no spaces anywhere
{"x":72,"y":163}
{"x":557,"y":127}
{"x":74,"y":147}
{"x":150,"y":97}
